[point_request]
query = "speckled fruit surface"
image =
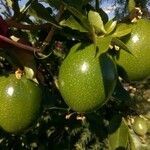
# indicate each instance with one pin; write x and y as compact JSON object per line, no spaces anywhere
{"x":19,"y":103}
{"x":86,"y":81}
{"x":137,"y":66}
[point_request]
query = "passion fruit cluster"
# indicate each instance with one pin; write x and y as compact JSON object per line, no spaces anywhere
{"x":86,"y":82}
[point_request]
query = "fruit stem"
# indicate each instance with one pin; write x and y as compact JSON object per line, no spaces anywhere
{"x":53,"y":28}
{"x":135,"y":14}
{"x":19,"y":45}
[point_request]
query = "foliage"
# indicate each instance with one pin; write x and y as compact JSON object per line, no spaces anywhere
{"x":44,"y":31}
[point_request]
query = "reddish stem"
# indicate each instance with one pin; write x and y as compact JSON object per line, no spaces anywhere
{"x":19,"y":45}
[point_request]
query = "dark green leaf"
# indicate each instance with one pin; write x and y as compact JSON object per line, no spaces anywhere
{"x":83,"y":19}
{"x":39,"y":11}
{"x":73,"y":24}
{"x":77,"y":4}
{"x":96,"y":21}
{"x":118,"y":42}
{"x":122,"y":30}
{"x":120,"y":93}
{"x":103,"y":44}
{"x":119,"y":138}
{"x":110,"y":26}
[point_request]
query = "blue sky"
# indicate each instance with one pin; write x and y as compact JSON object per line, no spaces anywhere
{"x":106,"y":6}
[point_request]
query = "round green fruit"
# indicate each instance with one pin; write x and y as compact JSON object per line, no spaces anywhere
{"x":19,"y":103}
{"x":85,"y":80}
{"x":140,"y":126}
{"x":137,"y":66}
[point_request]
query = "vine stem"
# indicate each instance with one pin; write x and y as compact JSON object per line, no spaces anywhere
{"x":19,"y":45}
{"x":12,"y":23}
{"x":53,"y":28}
{"x":59,"y":108}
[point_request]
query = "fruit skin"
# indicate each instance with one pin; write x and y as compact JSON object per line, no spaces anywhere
{"x":137,"y":66}
{"x":86,"y":81}
{"x":140,"y":126}
{"x":19,"y":103}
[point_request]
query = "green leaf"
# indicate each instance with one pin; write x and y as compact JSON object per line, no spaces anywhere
{"x":73,"y":24}
{"x":103,"y":44}
{"x":83,"y":19}
{"x":77,"y":3}
{"x":9,"y":3}
{"x":135,"y":143}
{"x":110,"y":26}
{"x":39,"y":11}
{"x":131,"y":5}
{"x":118,"y":42}
{"x":131,"y":143}
{"x":96,"y":21}
{"x":29,"y":72}
{"x":121,"y":96}
{"x":119,"y":138}
{"x":122,"y":30}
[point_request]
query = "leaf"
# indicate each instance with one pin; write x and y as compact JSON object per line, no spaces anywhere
{"x":118,"y":42}
{"x":103,"y":15}
{"x":122,"y":30}
{"x":120,"y":93}
{"x":83,"y":19}
{"x":131,"y":143}
{"x":73,"y":24}
{"x":103,"y":44}
{"x":9,"y":3}
{"x":29,"y":72}
{"x":121,"y":96}
{"x":131,"y":5}
{"x":39,"y":11}
{"x":119,"y":138}
{"x":110,"y":26}
{"x":77,"y":4}
{"x":135,"y":143}
{"x":96,"y":21}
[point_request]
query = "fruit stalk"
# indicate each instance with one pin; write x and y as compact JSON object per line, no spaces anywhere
{"x":19,"y":45}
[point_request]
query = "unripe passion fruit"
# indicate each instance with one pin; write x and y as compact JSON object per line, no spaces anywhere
{"x":19,"y":103}
{"x":137,"y":66}
{"x":86,"y":81}
{"x":140,"y":126}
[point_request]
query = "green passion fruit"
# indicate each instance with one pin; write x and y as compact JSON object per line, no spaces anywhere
{"x":19,"y":103}
{"x":136,"y":66}
{"x":86,"y":81}
{"x":140,"y":126}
